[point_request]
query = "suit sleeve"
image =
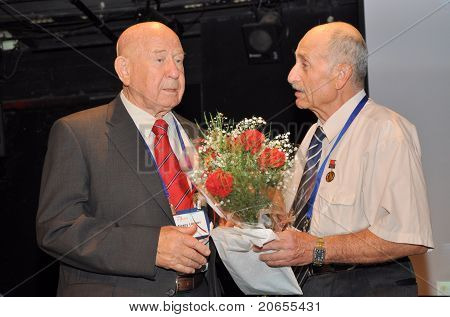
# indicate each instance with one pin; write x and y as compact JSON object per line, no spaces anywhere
{"x":67,"y":227}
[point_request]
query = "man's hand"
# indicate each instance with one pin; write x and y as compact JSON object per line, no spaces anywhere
{"x":179,"y":250}
{"x":294,"y":248}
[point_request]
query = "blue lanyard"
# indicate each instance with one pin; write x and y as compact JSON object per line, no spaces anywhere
{"x":352,"y":117}
{"x":183,"y":148}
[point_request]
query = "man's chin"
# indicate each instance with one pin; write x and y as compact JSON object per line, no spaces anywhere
{"x":301,"y":104}
{"x":170,"y":103}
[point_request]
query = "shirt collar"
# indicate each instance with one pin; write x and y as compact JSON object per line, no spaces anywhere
{"x":336,"y":122}
{"x":143,"y":120}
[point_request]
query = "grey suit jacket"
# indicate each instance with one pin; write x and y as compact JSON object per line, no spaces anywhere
{"x":102,"y":206}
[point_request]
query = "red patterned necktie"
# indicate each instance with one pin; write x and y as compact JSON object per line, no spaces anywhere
{"x":180,"y":194}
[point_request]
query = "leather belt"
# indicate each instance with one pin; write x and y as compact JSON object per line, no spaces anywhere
{"x":334,"y":267}
{"x":188,"y":282}
{"x":331,"y":268}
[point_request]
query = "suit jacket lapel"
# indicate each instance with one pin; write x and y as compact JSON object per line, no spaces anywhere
{"x":189,"y":127}
{"x":128,"y":141}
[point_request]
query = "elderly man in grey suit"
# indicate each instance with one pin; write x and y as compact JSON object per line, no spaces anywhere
{"x":107,"y":203}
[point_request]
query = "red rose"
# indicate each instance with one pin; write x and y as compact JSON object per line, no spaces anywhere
{"x":251,"y":140}
{"x":273,"y":158}
{"x":219,"y":183}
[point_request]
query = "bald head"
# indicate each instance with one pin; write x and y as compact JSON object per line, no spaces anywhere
{"x":149,"y":63}
{"x":330,"y":67}
{"x":343,"y":44}
{"x":329,"y":28}
{"x":132,"y":40}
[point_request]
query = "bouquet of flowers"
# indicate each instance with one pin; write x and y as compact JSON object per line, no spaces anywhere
{"x":243,"y":171}
{"x":244,"y":174}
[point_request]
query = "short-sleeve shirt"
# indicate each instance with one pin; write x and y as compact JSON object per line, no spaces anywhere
{"x":379,"y":183}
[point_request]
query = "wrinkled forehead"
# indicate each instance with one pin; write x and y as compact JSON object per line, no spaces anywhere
{"x":148,"y":40}
{"x":313,"y":45}
{"x":169,"y":44}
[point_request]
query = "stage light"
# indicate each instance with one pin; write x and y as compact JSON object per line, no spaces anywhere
{"x":262,"y":39}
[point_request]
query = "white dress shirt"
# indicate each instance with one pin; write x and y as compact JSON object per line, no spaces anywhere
{"x":145,"y":121}
{"x":379,"y":183}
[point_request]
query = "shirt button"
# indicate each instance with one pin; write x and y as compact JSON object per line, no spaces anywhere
{"x":170,"y":292}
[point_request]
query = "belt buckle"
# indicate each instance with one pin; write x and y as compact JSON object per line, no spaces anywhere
{"x":185,"y":283}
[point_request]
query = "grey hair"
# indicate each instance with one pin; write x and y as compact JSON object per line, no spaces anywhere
{"x":350,"y":49}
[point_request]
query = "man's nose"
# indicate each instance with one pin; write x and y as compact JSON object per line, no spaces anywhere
{"x":173,"y":69}
{"x":293,"y":75}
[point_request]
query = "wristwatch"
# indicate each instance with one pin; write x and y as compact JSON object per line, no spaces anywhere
{"x":319,"y":253}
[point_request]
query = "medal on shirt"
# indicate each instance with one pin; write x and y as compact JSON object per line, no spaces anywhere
{"x":330,"y":176}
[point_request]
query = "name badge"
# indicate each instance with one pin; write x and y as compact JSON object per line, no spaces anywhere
{"x":189,"y":217}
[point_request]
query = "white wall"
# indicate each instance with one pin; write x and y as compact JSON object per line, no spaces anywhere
{"x":411,"y":75}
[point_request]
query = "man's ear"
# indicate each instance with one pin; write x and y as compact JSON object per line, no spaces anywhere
{"x":122,"y":67}
{"x":344,"y":73}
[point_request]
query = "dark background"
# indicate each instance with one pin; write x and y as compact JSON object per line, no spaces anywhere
{"x":54,"y":61}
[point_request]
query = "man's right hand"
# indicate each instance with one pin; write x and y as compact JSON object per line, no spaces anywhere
{"x":179,"y":250}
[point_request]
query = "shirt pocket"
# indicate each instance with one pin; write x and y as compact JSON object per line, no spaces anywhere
{"x":335,"y":210}
{"x":337,"y":195}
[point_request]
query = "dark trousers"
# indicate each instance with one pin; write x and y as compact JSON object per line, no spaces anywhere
{"x":387,"y":279}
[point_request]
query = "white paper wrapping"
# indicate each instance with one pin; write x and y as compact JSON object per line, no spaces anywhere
{"x":250,"y":274}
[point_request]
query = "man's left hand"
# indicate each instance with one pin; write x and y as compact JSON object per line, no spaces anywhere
{"x":293,"y":248}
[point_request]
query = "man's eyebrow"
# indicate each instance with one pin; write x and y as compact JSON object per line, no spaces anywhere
{"x":302,"y":56}
{"x":158,"y":51}
{"x":181,"y":52}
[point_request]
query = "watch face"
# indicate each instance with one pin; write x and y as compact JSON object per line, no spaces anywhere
{"x":319,"y":256}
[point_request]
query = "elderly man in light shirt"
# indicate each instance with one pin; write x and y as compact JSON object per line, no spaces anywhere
{"x":362,"y":207}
